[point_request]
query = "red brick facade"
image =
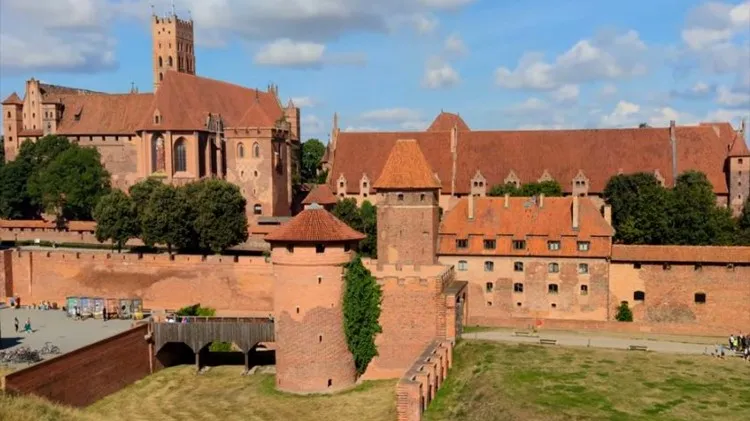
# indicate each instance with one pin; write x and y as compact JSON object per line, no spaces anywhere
{"x":418,"y":387}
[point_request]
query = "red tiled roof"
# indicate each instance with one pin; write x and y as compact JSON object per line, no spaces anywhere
{"x":598,"y":153}
{"x":26,"y":224}
{"x":446,"y":121}
{"x":81,"y":226}
{"x":30,"y":132}
{"x":184,"y":101}
{"x":314,"y":225}
{"x":50,"y":91}
{"x":13,"y":99}
{"x":103,"y":114}
{"x":406,"y":168}
{"x":686,"y":254}
{"x":320,"y":194}
{"x":739,"y":147}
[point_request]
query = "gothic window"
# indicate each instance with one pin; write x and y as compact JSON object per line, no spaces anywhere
{"x":157,"y":154}
{"x":583,"y":268}
{"x":180,"y":155}
{"x":584,"y":290}
{"x":518,"y":266}
{"x":488,"y":287}
{"x":170,"y":61}
{"x":161,"y":62}
{"x":241,"y":150}
{"x":489,"y":266}
{"x":8,"y":114}
{"x":256,"y":150}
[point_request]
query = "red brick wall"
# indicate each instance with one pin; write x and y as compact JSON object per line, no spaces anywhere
{"x":418,"y":387}
{"x":244,"y":286}
{"x":412,"y":228}
{"x":53,"y":235}
{"x":6,"y":273}
{"x":88,"y":374}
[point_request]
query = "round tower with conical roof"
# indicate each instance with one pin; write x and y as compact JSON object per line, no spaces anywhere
{"x":308,"y":255}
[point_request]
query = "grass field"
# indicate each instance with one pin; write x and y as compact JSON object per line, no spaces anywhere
{"x":495,"y":381}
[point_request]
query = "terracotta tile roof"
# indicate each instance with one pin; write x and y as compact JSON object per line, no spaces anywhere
{"x":30,"y":132}
{"x":406,"y":168}
{"x":81,"y":226}
{"x":320,"y":194}
{"x":26,"y":224}
{"x":598,"y":153}
{"x":50,"y":91}
{"x":13,"y":99}
{"x":103,"y":114}
{"x":686,"y":254}
{"x":255,"y":117}
{"x":184,"y":101}
{"x":446,"y":121}
{"x":314,"y":225}
{"x":739,"y":147}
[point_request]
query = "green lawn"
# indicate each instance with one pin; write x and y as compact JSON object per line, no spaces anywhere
{"x":495,"y":381}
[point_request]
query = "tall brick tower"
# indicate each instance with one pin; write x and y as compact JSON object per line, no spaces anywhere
{"x":173,"y":46}
{"x":738,"y":165}
{"x":12,"y":112}
{"x":308,"y":254}
{"x":409,"y":207}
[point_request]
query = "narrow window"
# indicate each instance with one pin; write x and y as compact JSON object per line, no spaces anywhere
{"x":489,"y":266}
{"x":256,"y":151}
{"x":553,"y":245}
{"x":241,"y":150}
{"x":518,"y":287}
{"x":320,"y":280}
{"x":584,"y":290}
{"x":552,"y":289}
{"x":518,"y":266}
{"x":320,"y":248}
{"x":161,"y":77}
{"x":584,"y":246}
{"x":553,"y":268}
{"x":698,"y":266}
{"x":161,"y":61}
{"x":400,"y":197}
{"x":700,"y":298}
{"x":320,"y":338}
{"x":489,"y":244}
{"x":8,"y":114}
{"x":583,"y":268}
{"x":421,"y":197}
{"x":290,"y":248}
{"x":180,"y":158}
{"x":341,"y":184}
{"x":257,"y":209}
{"x":462,"y":244}
{"x":347,"y":247}
{"x":463,"y":265}
{"x":639,"y":296}
{"x":667,"y":266}
{"x":636,"y":265}
{"x":519,"y":244}
{"x":170,"y":61}
{"x":488,"y":287}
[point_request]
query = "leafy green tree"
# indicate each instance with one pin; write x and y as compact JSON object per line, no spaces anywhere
{"x":624,"y":314}
{"x":72,"y":183}
{"x":743,"y":225}
{"x":640,"y":208}
{"x":44,"y":150}
{"x":369,"y":218}
{"x":15,"y":200}
{"x":347,"y":211}
{"x":196,"y":310}
{"x":165,"y":220}
{"x":2,"y":150}
{"x":220,"y":221}
{"x":361,"y":306}
{"x":694,"y":217}
{"x":312,"y":153}
{"x":502,"y":190}
{"x":548,"y":188}
{"x":141,"y":191}
{"x":116,"y":219}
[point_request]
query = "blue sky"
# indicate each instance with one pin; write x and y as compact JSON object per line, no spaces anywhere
{"x":394,"y":64}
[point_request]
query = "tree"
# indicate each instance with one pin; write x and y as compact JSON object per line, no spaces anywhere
{"x":71,"y":184}
{"x":347,"y":211}
{"x":549,"y":188}
{"x":312,"y":153}
{"x":220,"y":221}
{"x":361,"y":306}
{"x":640,"y":208}
{"x":15,"y":200}
{"x":694,"y":217}
{"x":368,"y":215}
{"x":116,"y":219}
{"x":166,"y":219}
{"x":743,"y":225}
{"x":141,"y":191}
{"x":624,"y":314}
{"x":2,"y":151}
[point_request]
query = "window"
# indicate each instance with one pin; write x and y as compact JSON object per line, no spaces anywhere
{"x":489,"y":303}
{"x":552,"y":289}
{"x":161,"y":62}
{"x":463,"y":266}
{"x":170,"y":61}
{"x":462,"y":244}
{"x":341,"y":184}
{"x":519,"y":244}
{"x":553,"y":245}
{"x":8,"y":114}
{"x":290,"y":248}
{"x":666,"y":266}
{"x":347,"y":247}
{"x":488,"y":287}
{"x":553,"y":268}
{"x":730,"y":266}
{"x":157,"y":120}
{"x":636,"y":265}
{"x":584,"y":246}
{"x":489,"y":266}
{"x":583,"y":268}
{"x":739,"y":160}
{"x":698,"y":266}
{"x":518,"y":287}
{"x":584,"y":290}
{"x":241,"y":150}
{"x":518,"y":266}
{"x":364,"y":184}
{"x":320,"y":248}
{"x":400,"y":197}
{"x":489,"y":244}
{"x":639,"y":296}
{"x":700,"y":298}
{"x":161,"y":76}
{"x":421,"y":197}
{"x":180,"y":156}
{"x":257,"y":209}
{"x":256,"y":150}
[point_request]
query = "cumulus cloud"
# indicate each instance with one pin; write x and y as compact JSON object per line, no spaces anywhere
{"x":566,"y":93}
{"x":699,"y":91}
{"x":304,"y":101}
{"x":629,"y":114}
{"x":425,"y":23}
{"x":285,"y":52}
{"x":439,"y":74}
{"x":732,"y":98}
{"x":608,"y":56}
{"x":390,"y":115}
{"x":454,"y":46}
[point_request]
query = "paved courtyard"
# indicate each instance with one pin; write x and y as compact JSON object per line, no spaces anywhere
{"x":55,"y":327}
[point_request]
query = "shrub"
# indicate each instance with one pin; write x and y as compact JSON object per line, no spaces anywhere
{"x":624,"y":314}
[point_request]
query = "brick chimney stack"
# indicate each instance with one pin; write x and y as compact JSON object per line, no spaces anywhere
{"x":471,"y":207}
{"x":576,"y":220}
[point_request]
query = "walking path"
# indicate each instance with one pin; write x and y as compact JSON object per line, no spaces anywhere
{"x":597,"y":341}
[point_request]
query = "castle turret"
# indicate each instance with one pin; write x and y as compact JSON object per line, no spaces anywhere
{"x":12,"y":118}
{"x":173,"y":47}
{"x":409,"y":207}
{"x":738,"y":165}
{"x":308,"y":254}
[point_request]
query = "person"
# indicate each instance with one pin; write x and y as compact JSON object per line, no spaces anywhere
{"x":104,"y":313}
{"x":27,"y":326}
{"x":15,"y":322}
{"x":731,"y":342}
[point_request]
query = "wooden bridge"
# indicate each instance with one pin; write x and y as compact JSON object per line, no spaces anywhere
{"x":198,"y":332}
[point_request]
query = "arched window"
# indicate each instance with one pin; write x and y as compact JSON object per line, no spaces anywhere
{"x":256,"y":150}
{"x":170,"y":61}
{"x":157,"y":154}
{"x":553,"y":268}
{"x":161,"y":62}
{"x":180,"y":155}
{"x":161,"y":77}
{"x":241,"y":150}
{"x":8,"y":114}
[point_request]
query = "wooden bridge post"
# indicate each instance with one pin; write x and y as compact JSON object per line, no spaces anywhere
{"x":198,"y":362}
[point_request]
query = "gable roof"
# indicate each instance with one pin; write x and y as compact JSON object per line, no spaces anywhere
{"x":406,"y":168}
{"x":739,"y":147}
{"x":598,"y":153}
{"x":102,"y":114}
{"x":685,"y":254}
{"x":314,"y":225}
{"x":184,"y":100}
{"x":13,"y":99}
{"x":50,"y":91}
{"x":446,"y":121}
{"x":320,"y":194}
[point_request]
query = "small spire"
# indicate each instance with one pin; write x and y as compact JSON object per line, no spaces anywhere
{"x":174,"y":12}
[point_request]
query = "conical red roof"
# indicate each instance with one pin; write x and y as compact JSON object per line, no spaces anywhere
{"x":446,"y":121}
{"x":314,"y":225}
{"x":13,"y":99}
{"x":406,"y":168}
{"x":320,"y":194}
{"x":739,"y":148}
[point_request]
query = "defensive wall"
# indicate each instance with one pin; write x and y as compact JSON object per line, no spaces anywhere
{"x":85,"y":375}
{"x":233,"y":285}
{"x":418,"y":387}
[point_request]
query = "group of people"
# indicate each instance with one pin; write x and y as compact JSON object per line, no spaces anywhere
{"x":739,"y":344}
{"x":26,"y":326}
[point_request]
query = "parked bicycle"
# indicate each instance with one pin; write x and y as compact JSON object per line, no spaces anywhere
{"x":49,"y":349}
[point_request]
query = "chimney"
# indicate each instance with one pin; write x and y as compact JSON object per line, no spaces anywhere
{"x":541,"y":200}
{"x":673,"y":141}
{"x":507,"y":200}
{"x":608,"y":214}
{"x":471,"y":206}
{"x":575,"y":213}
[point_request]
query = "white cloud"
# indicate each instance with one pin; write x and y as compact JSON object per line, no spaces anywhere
{"x":700,"y":91}
{"x":455,"y":46}
{"x":391,"y":115}
{"x":628,"y":114}
{"x":623,"y":113}
{"x":566,"y":93}
{"x":285,"y":52}
{"x":304,"y":101}
{"x":439,"y":74}
{"x":425,"y":23}
{"x":445,"y":4}
{"x":416,"y":125}
{"x":733,"y":116}
{"x":528,"y":106}
{"x":607,"y":90}
{"x":311,"y":124}
{"x":730,"y":98}
{"x":361,"y":129}
{"x":607,"y":56}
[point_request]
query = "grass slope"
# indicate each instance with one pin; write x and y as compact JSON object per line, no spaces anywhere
{"x":495,"y":381}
